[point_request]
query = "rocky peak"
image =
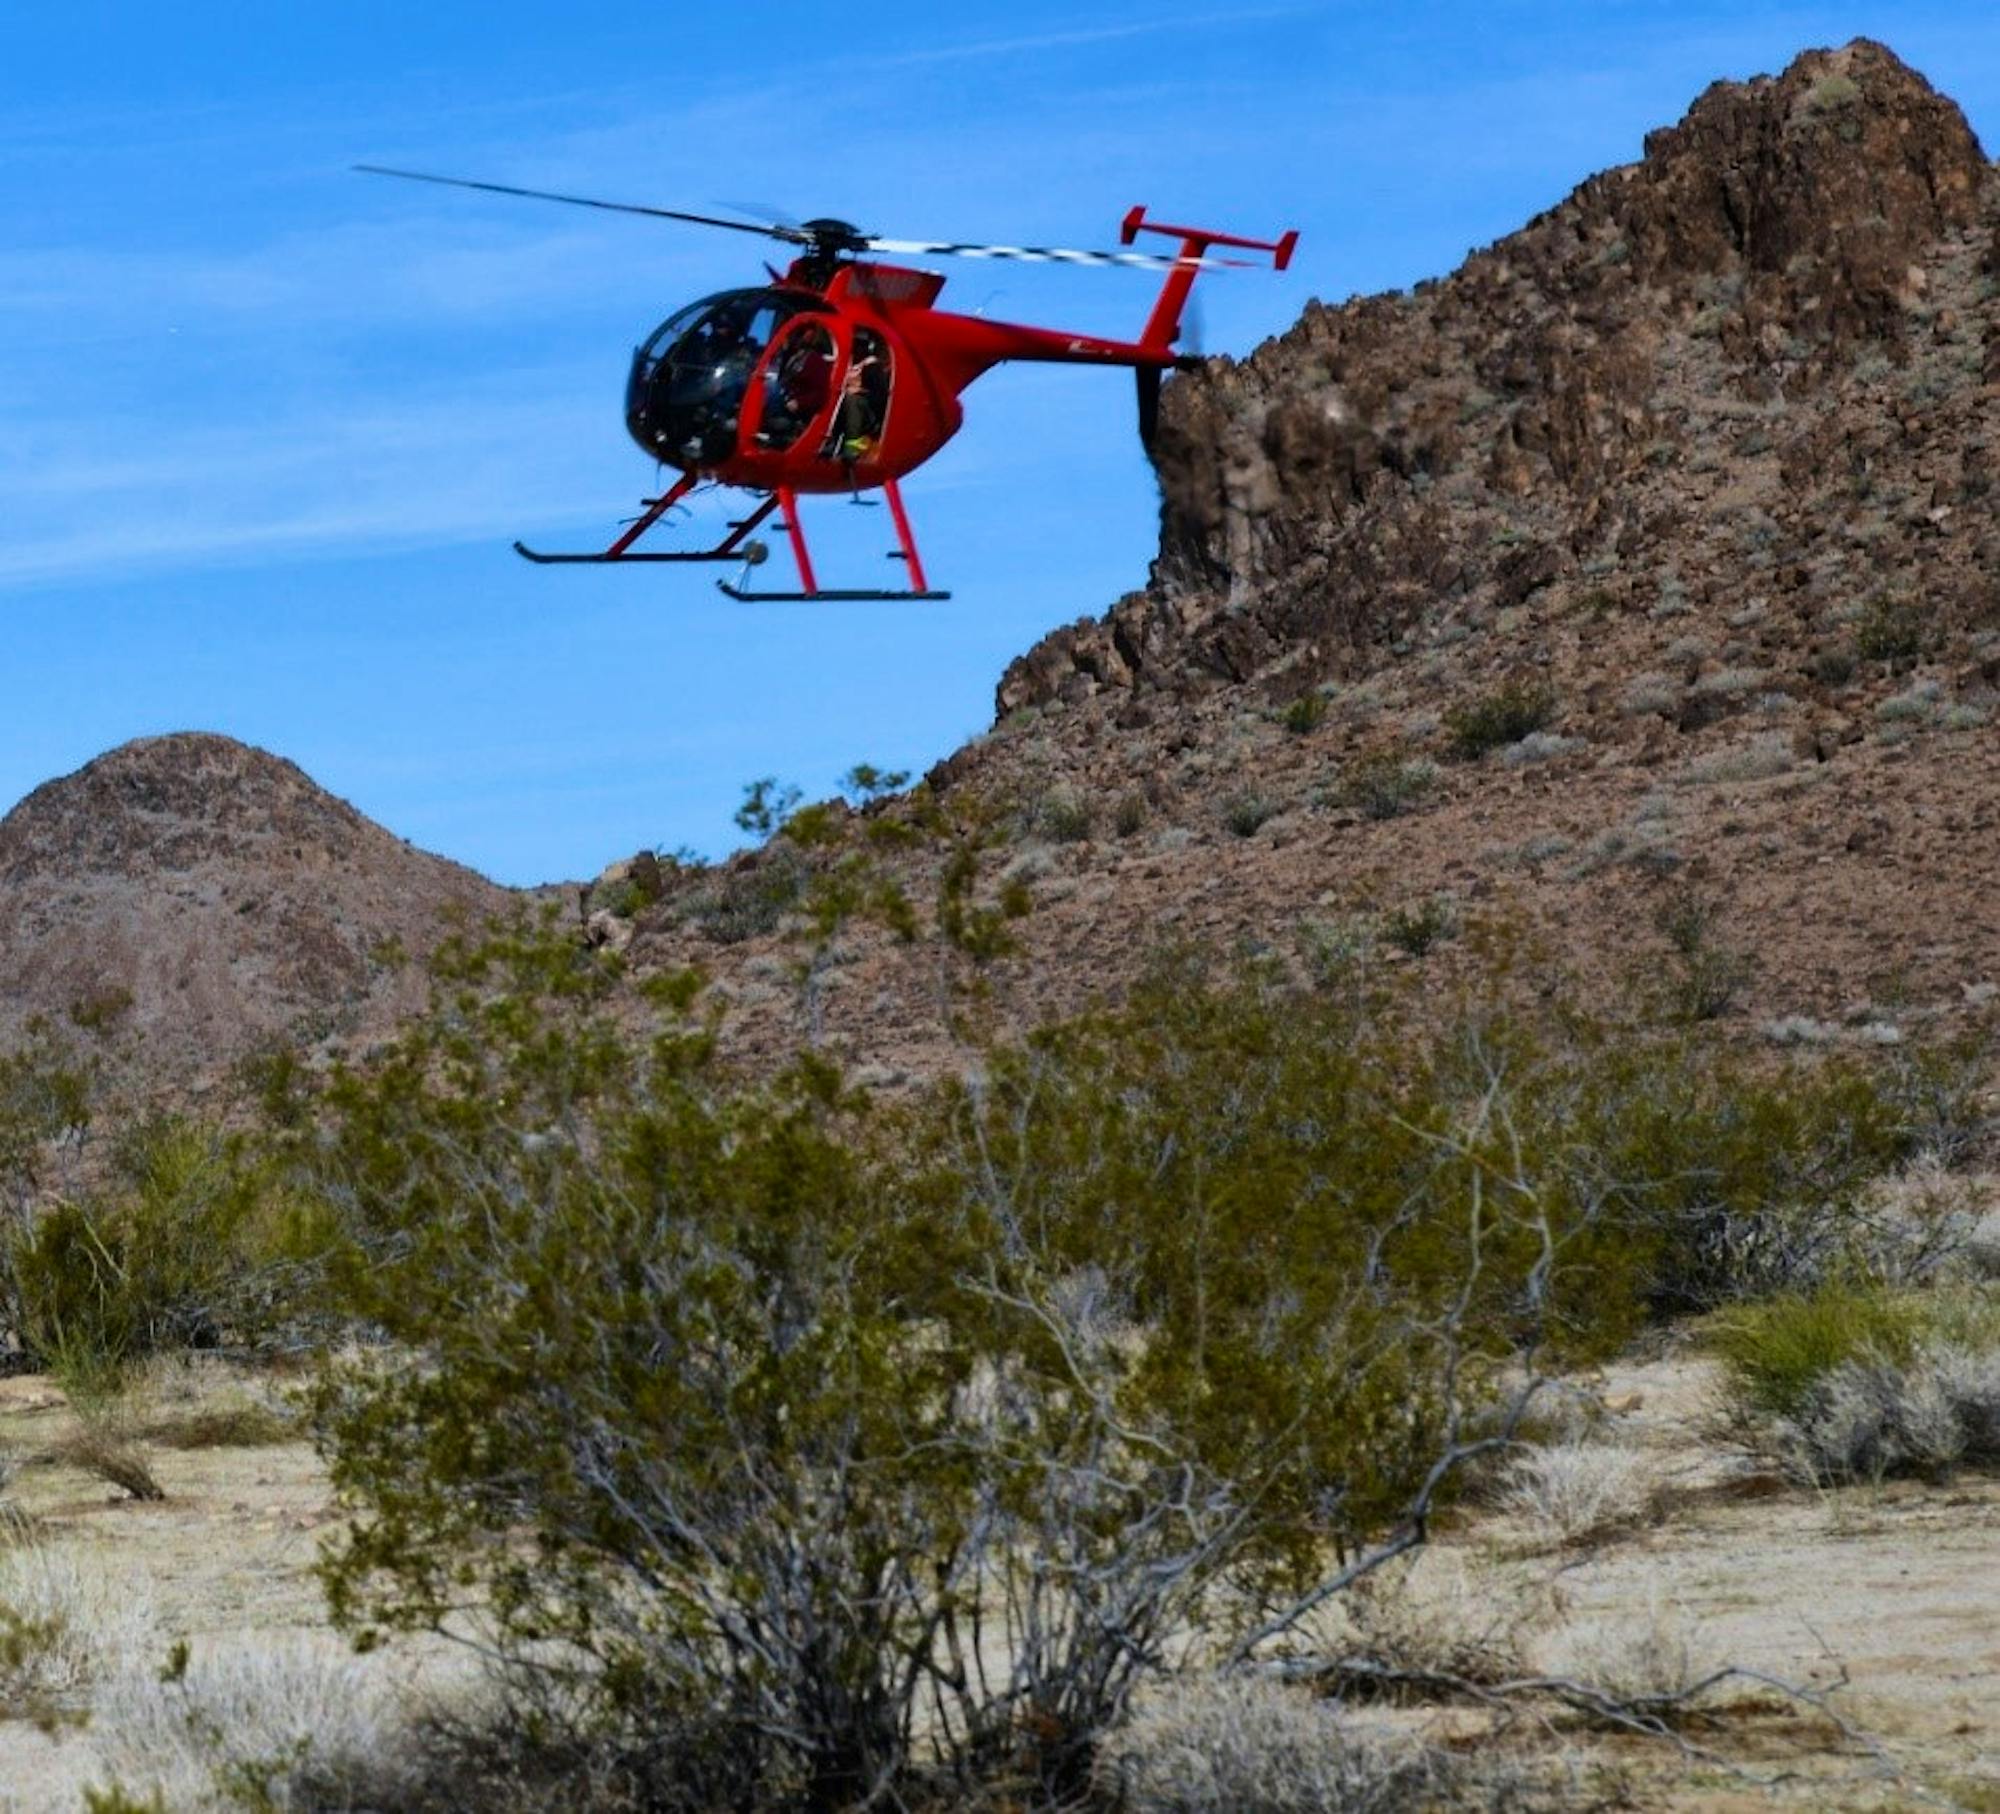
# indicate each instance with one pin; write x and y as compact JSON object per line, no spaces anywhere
{"x":1460,"y":448}
{"x":163,"y":804}
{"x":183,"y":899}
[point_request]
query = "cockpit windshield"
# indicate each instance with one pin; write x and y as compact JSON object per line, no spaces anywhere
{"x":688,"y":383}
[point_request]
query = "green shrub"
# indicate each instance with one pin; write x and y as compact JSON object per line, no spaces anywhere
{"x":1305,"y":714}
{"x":188,"y":1243}
{"x":1707,"y":977}
{"x":1063,"y":816}
{"x":1505,"y":715}
{"x":761,"y":1362}
{"x":1386,"y":787}
{"x":45,"y":1111}
{"x":749,"y":897}
{"x":1889,"y":631}
{"x":1245,"y":814}
{"x":1775,"y":1354}
{"x":1415,"y":930}
{"x":1180,"y":1300}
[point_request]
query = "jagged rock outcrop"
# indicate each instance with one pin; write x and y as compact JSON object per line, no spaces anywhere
{"x":1476,"y":439}
{"x":182,"y":899}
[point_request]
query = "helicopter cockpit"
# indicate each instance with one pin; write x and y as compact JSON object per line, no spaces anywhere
{"x":684,"y":401}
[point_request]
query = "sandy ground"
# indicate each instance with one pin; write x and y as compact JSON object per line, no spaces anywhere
{"x":1898,"y":1586}
{"x":225,"y":1562}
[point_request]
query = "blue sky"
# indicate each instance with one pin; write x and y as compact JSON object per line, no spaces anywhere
{"x":267,"y":428}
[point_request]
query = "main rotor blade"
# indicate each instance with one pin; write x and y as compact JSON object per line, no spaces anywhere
{"x":790,"y":235}
{"x":1052,"y":255}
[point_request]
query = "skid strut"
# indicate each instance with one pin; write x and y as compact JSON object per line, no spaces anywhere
{"x":811,"y":590}
{"x":730,"y":548}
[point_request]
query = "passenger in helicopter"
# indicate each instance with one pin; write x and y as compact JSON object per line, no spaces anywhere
{"x":863,"y":393}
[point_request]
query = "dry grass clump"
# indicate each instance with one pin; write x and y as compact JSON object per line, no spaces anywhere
{"x":1639,"y":1658}
{"x":288,"y":1723}
{"x":1578,"y":1490}
{"x":1222,"y":1744}
{"x":1870,"y":1419}
{"x":59,"y":1628}
{"x":112,"y":1454}
{"x":1439,"y":1615}
{"x":244,"y":1425}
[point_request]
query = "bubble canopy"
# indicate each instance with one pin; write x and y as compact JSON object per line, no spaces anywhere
{"x":684,"y":400}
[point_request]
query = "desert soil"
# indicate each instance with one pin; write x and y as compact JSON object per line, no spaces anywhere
{"x":1894,"y":1586}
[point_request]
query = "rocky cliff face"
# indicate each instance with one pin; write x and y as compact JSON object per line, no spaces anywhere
{"x":1790,"y":289}
{"x":182,"y":899}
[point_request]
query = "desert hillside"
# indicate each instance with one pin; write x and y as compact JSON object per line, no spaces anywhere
{"x":182,"y":900}
{"x":1647,"y":558}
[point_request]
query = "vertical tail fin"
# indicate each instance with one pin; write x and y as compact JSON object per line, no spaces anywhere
{"x":1164,"y":324}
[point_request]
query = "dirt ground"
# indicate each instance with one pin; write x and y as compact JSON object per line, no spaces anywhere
{"x":1895,"y":1586}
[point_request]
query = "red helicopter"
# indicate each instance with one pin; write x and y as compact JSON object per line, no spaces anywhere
{"x":841,"y":376}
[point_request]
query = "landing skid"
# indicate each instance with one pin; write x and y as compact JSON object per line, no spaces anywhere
{"x":824,"y":595}
{"x":736,"y":546}
{"x":597,"y":560}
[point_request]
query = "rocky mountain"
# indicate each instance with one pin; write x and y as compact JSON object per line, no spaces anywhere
{"x":1639,"y":581}
{"x":184,"y":899}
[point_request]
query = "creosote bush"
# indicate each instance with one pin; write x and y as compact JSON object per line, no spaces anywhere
{"x":748,"y":1415}
{"x":189,"y":1241}
{"x":1505,"y":715}
{"x":1890,"y":631}
{"x":1387,"y":786}
{"x":1247,"y":813}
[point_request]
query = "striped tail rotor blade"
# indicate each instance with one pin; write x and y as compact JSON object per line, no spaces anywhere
{"x":1049,"y":255}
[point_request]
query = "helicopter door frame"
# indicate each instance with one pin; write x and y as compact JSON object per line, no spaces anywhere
{"x":790,"y":338}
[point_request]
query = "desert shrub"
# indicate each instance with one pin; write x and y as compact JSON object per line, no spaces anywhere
{"x":1415,"y":930}
{"x":1731,"y":1180}
{"x":1574,"y":1491}
{"x":781,"y":1409}
{"x":1833,"y":667}
{"x":1774,"y":1354}
{"x":1129,"y":815}
{"x":1063,"y":816}
{"x":1220,"y":1744}
{"x":45,"y":1111}
{"x":1707,"y":977}
{"x":747,"y":1413}
{"x":748,"y":897}
{"x":1505,"y":715}
{"x":1305,"y":714}
{"x":189,"y":1242}
{"x":1889,"y":631}
{"x":1860,"y":1383}
{"x":1869,"y":1418}
{"x":1386,"y":786}
{"x":1246,"y":813}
